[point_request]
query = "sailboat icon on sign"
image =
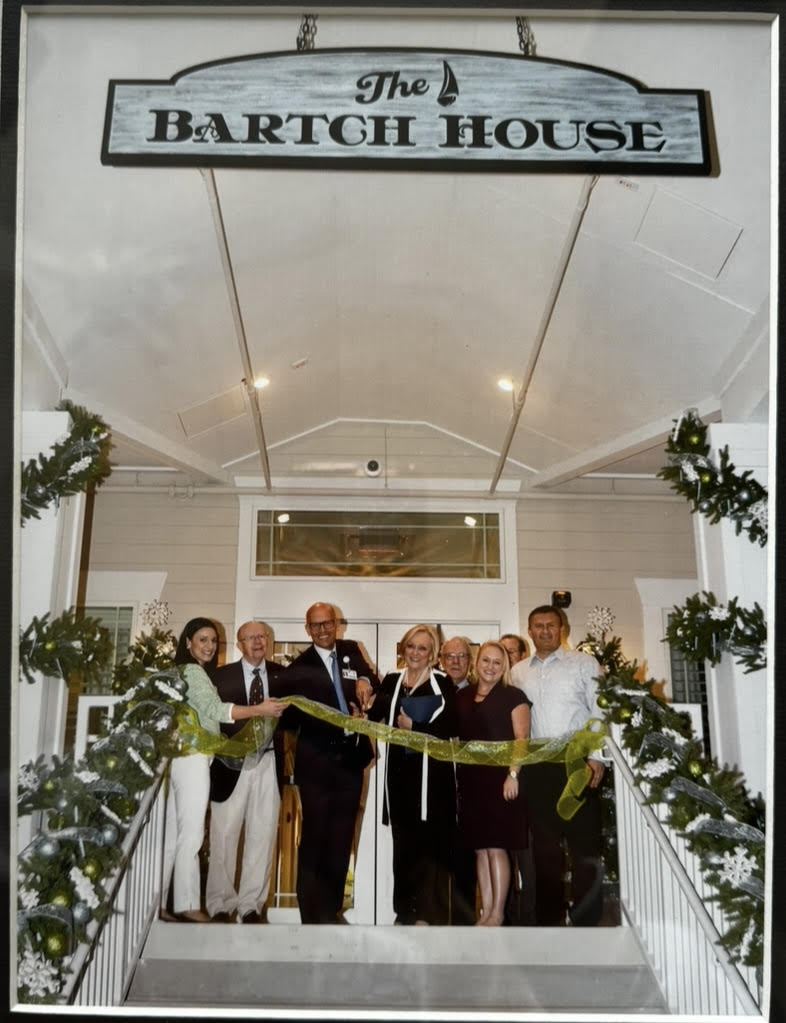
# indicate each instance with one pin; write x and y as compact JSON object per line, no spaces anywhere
{"x":449,"y":92}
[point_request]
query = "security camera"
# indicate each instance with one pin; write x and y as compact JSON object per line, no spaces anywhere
{"x":373,"y":467}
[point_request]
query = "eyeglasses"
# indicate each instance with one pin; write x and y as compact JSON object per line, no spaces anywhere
{"x":322,"y":626}
{"x":456,"y":657}
{"x":254,"y":638}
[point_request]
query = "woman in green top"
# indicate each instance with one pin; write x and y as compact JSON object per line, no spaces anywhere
{"x":197,"y":650}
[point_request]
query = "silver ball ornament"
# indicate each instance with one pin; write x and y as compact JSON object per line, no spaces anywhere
{"x":81,"y":913}
{"x":109,"y":834}
{"x":669,"y":795}
{"x":49,"y":848}
{"x":61,"y":803}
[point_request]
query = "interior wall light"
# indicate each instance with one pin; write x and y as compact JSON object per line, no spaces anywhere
{"x":505,"y":384}
{"x":261,"y":382}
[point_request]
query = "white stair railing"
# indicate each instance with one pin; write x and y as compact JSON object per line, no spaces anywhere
{"x":667,"y":901}
{"x":102,"y":968}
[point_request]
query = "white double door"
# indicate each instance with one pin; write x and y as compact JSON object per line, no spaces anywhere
{"x":372,"y":866}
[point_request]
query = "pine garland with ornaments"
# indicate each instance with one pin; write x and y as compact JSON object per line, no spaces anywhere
{"x":703,"y":629}
{"x":86,"y":809}
{"x":716,"y":490}
{"x":78,"y":460}
{"x":707,"y":804}
{"x":66,"y":646}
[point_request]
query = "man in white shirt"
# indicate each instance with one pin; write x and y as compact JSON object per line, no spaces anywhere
{"x":562,"y":686}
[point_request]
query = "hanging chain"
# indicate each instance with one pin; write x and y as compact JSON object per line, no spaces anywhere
{"x":526,"y":37}
{"x":307,"y":33}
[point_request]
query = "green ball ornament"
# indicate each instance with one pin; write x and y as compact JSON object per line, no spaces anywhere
{"x":694,"y":768}
{"x":694,"y":439}
{"x":149,"y":755}
{"x":706,"y":477}
{"x":48,"y":785}
{"x":603,"y":701}
{"x":111,"y":764}
{"x":625,"y":714}
{"x":55,"y":946}
{"x":124,"y":806}
{"x":61,"y":898}
{"x":50,"y":645}
{"x":91,"y":868}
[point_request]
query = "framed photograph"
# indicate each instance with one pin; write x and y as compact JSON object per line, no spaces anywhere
{"x":328,"y":323}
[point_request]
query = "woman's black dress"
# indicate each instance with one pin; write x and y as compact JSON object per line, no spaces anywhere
{"x":424,"y":830}
{"x":486,"y":819}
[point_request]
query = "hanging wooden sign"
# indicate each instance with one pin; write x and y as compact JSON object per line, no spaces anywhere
{"x":407,"y":109}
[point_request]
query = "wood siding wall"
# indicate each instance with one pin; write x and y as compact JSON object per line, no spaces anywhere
{"x":594,"y":548}
{"x":192,"y":539}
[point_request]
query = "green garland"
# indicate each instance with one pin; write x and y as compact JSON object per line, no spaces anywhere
{"x":80,"y":459}
{"x":716,"y":491}
{"x":69,"y":645}
{"x":86,"y":807}
{"x":703,"y":629}
{"x":706,"y":804}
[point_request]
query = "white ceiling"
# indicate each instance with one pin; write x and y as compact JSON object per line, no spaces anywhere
{"x":404,"y":296}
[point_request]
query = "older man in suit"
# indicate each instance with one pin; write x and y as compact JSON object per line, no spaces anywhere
{"x":244,"y":792}
{"x":329,"y":761}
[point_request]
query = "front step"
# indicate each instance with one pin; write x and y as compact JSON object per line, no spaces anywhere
{"x":394,"y":969}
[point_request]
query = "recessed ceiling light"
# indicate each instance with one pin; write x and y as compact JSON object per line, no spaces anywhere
{"x":505,"y":384}
{"x":261,"y":382}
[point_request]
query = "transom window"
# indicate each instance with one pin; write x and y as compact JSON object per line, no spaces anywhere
{"x":452,"y":545}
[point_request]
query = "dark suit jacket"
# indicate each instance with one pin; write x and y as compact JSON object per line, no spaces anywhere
{"x":231,"y":687}
{"x":317,"y":741}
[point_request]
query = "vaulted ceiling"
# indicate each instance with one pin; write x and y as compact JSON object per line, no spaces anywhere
{"x":384,"y":307}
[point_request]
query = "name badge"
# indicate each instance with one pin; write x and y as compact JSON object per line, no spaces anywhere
{"x":349,"y":674}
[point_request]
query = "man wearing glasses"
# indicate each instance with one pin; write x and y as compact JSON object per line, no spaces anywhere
{"x":329,"y":761}
{"x":244,"y":792}
{"x":454,"y":659}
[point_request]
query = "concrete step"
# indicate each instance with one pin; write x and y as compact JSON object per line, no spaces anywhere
{"x":277,"y":967}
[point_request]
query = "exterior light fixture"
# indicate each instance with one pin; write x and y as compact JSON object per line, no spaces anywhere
{"x":282,"y":518}
{"x":469,"y":521}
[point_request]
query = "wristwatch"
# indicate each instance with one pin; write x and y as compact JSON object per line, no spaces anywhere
{"x":512,"y":773}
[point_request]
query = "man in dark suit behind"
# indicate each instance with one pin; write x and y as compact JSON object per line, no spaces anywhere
{"x":329,"y":763}
{"x":245,"y":793}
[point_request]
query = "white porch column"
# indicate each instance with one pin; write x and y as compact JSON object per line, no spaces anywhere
{"x":733,"y":566}
{"x":48,"y":577}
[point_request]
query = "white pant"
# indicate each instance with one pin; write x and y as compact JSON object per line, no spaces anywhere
{"x":186,"y":807}
{"x":254,"y":802}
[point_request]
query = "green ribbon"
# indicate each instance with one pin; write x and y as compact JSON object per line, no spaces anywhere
{"x":571,"y":748}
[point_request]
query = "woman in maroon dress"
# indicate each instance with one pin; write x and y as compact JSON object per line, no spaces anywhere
{"x":492,"y":812}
